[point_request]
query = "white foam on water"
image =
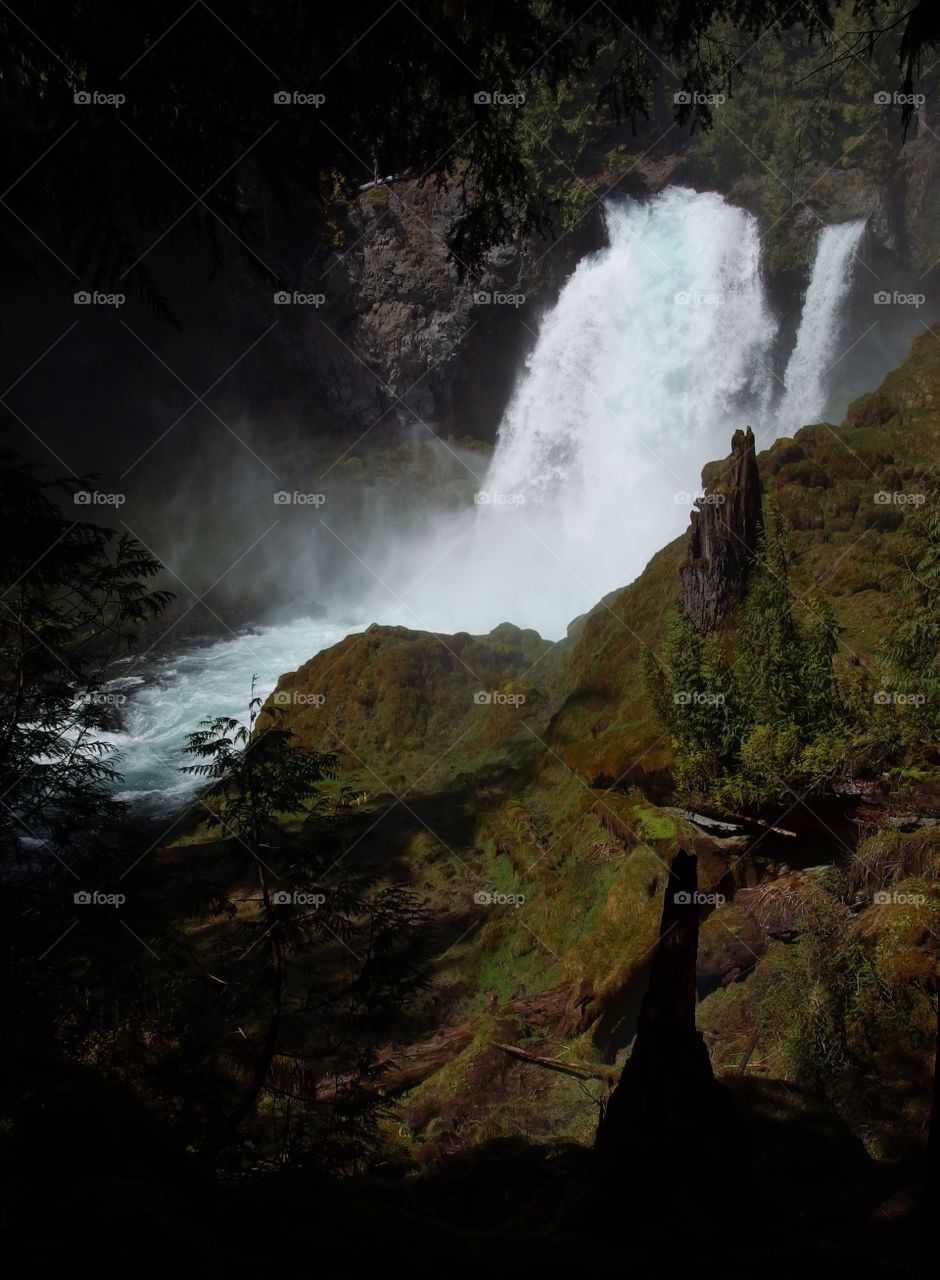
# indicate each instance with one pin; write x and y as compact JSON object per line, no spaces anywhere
{"x":200,"y":682}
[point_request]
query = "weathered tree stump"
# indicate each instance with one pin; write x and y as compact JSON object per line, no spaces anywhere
{"x":723,"y":537}
{"x":669,"y":1133}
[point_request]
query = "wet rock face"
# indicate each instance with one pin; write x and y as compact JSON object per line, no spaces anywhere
{"x":920,"y":161}
{"x":403,"y":333}
{"x":723,"y":537}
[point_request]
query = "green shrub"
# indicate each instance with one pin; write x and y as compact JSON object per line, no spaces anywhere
{"x":770,"y":722}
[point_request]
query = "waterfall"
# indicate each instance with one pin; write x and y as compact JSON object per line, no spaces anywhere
{"x":658,"y":347}
{"x":804,"y":397}
{"x":655,"y":342}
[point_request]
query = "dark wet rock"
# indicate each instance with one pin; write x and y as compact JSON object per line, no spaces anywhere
{"x":919,"y":162}
{"x":730,"y":945}
{"x":404,"y":333}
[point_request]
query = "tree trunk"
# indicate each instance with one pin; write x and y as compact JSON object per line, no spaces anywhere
{"x":269,"y":1044}
{"x":930,"y":1202}
{"x":669,"y":1134}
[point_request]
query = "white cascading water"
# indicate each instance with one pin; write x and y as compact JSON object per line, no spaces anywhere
{"x":804,"y":396}
{"x":658,"y":347}
{"x":653,"y":342}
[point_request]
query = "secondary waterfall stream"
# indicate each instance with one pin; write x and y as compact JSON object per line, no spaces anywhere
{"x":658,"y":347}
{"x":817,"y":340}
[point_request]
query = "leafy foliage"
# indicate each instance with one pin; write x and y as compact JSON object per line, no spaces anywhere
{"x":802,"y":117}
{"x":256,"y":776}
{"x":72,"y":594}
{"x":851,"y":1000}
{"x":804,"y":998}
{"x":328,"y":963}
{"x":912,"y":650}
{"x":199,"y":137}
{"x":770,"y":723}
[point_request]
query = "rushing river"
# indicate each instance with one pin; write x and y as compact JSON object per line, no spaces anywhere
{"x":162,"y":698}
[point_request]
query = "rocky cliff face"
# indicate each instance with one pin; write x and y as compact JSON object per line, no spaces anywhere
{"x":920,"y":163}
{"x":404,"y":332}
{"x":723,"y":536}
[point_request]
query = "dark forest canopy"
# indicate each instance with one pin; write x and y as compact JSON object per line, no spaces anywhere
{"x":200,"y":137}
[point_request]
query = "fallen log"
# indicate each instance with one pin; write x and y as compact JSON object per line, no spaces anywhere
{"x":581,"y":1070}
{"x":403,"y":1067}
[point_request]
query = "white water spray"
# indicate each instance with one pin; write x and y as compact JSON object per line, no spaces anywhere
{"x":658,"y":347}
{"x":168,"y":696}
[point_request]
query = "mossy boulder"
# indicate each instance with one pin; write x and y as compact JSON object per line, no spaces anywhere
{"x":394,"y":702}
{"x":730,"y":945}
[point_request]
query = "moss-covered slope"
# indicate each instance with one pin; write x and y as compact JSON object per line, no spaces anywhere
{"x":528,"y":781}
